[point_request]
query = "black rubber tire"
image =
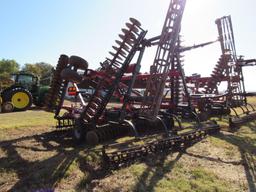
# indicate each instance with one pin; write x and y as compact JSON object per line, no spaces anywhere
{"x":203,"y":116}
{"x":79,"y":132}
{"x":11,"y":96}
{"x":71,"y":75}
{"x":7,"y":107}
{"x":92,"y":138}
{"x":78,"y":62}
{"x":6,"y":95}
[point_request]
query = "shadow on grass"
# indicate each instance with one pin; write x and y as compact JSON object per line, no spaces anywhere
{"x":159,"y":167}
{"x":247,"y":150}
{"x":218,"y":160}
{"x":46,"y":173}
{"x":252,"y":126}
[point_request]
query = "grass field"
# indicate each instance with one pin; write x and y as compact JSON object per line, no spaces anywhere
{"x":33,"y":156}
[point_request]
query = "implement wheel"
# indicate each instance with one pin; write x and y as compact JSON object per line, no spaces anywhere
{"x":20,"y":98}
{"x":71,"y":75}
{"x":92,"y":138}
{"x":79,"y":131}
{"x":203,"y":116}
{"x":78,"y":62}
{"x":7,"y":107}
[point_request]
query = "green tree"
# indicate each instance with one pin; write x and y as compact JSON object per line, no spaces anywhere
{"x":40,"y":69}
{"x":5,"y":80}
{"x":31,"y":68}
{"x":8,"y":66}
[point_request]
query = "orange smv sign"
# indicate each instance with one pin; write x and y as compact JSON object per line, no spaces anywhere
{"x":72,"y":91}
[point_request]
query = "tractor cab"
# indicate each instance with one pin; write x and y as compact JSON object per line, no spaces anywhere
{"x":26,"y":80}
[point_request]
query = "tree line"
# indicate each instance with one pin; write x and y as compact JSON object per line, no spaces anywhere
{"x":9,"y":66}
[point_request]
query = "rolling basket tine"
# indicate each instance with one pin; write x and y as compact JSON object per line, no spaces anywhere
{"x":253,"y":109}
{"x":247,"y":110}
{"x":178,"y":143}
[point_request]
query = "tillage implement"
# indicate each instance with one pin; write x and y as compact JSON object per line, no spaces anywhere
{"x":151,"y":127}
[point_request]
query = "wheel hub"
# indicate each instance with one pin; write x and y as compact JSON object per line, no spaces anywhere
{"x":20,"y":100}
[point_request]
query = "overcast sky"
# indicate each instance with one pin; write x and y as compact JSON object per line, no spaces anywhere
{"x":41,"y":30}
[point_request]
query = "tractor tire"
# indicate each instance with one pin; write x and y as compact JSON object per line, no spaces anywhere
{"x":20,"y":97}
{"x":78,"y":62}
{"x":7,"y":107}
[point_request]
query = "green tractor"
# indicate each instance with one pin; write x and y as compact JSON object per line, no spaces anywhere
{"x":24,"y":92}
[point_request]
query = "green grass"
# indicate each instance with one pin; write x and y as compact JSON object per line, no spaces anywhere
{"x":171,"y":176}
{"x":41,"y":160}
{"x":218,"y":142}
{"x":199,"y":180}
{"x":26,"y":119}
